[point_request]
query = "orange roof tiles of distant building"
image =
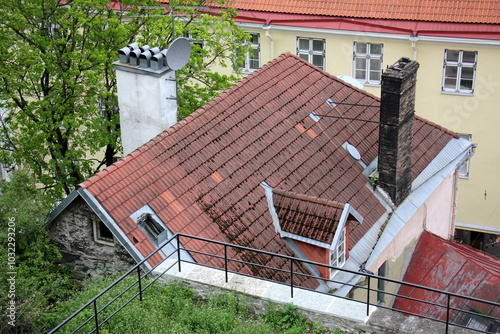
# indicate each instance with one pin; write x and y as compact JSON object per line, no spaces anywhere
{"x":456,"y":11}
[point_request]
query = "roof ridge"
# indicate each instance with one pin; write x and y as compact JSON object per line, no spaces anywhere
{"x":309,"y":198}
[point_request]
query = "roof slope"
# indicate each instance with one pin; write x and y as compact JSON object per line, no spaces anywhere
{"x":202,"y":176}
{"x":448,"y":266}
{"x":459,"y":11}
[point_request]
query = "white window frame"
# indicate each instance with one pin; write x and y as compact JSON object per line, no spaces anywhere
{"x":309,"y":53}
{"x":338,"y":253}
{"x":254,"y":50}
{"x":463,"y":172}
{"x":97,"y":224}
{"x":366,"y":58}
{"x":458,"y":65}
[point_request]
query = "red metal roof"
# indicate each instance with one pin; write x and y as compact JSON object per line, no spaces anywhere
{"x":452,"y":267}
{"x":458,"y":11}
{"x":202,"y":176}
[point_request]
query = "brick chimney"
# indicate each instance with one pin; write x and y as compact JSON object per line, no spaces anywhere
{"x":397,"y":109}
{"x":147,"y":90}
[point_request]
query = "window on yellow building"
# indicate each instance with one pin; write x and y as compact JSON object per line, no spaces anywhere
{"x":312,"y":50}
{"x":459,"y":71}
{"x":252,"y":55}
{"x":367,"y":62}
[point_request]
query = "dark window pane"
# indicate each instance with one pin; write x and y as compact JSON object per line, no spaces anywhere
{"x":360,"y":48}
{"x":469,"y":57}
{"x":376,"y":49}
{"x":318,"y":45}
{"x":303,"y":44}
{"x":452,"y":55}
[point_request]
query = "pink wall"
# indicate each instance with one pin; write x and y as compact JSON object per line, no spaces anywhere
{"x":436,"y":215}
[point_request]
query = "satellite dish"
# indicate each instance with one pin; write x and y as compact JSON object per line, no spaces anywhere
{"x":178,"y":53}
{"x":353,"y":151}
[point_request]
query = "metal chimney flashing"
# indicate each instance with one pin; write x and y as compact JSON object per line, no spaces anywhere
{"x":141,"y":70}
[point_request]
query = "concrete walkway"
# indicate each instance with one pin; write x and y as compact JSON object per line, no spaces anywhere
{"x":277,"y":293}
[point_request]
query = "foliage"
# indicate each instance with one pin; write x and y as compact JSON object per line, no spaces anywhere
{"x":36,"y":281}
{"x":58,"y":83}
{"x":287,"y":319}
{"x":173,"y":308}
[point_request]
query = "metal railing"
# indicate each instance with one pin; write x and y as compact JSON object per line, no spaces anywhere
{"x":288,"y":274}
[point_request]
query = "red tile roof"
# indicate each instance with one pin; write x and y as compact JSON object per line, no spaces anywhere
{"x":452,"y":267}
{"x":307,"y":216}
{"x":202,"y":176}
{"x":459,"y":11}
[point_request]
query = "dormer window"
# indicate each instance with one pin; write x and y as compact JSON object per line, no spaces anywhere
{"x":338,"y":254}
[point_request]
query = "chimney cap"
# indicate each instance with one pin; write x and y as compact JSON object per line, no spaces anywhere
{"x":401,"y":68}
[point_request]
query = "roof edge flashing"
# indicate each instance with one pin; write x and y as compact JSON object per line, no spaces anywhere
{"x":111,"y":225}
{"x":268,"y":191}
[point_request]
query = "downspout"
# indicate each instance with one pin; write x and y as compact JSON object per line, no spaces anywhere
{"x":266,"y":28}
{"x":414,"y":40}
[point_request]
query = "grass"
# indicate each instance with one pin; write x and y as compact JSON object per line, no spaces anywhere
{"x":173,"y":308}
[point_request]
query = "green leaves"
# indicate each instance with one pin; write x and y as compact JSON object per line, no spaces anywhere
{"x":39,"y":281}
{"x":59,"y":86}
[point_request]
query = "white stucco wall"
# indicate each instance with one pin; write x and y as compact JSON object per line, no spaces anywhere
{"x":148,"y":103}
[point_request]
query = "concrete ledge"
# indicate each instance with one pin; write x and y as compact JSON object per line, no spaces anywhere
{"x":325,"y":310}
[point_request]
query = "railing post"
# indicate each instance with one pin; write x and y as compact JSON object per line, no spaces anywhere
{"x":95,"y":316}
{"x":225,"y":261}
{"x":368,"y":298}
{"x":291,"y":277}
{"x":178,"y":253}
{"x":447,"y":313}
{"x":140,"y":286}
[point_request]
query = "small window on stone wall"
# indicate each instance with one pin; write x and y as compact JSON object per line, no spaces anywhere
{"x":102,"y":234}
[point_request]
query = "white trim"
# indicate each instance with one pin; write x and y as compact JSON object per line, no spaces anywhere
{"x":378,"y":36}
{"x":293,"y":236}
{"x":477,"y":228}
{"x":95,"y":222}
{"x":268,"y":190}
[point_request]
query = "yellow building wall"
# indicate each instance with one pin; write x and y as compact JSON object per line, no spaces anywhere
{"x":478,"y":115}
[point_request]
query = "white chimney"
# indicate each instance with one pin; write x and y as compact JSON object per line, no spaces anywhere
{"x":147,"y":90}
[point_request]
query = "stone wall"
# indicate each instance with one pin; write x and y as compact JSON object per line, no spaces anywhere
{"x":72,"y":231}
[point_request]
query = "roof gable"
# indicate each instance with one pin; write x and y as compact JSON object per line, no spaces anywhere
{"x":307,"y":216}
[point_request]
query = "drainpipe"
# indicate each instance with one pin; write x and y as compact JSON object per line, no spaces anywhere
{"x":414,"y":40}
{"x":266,"y":28}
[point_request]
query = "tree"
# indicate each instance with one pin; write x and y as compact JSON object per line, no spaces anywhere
{"x":58,"y":83}
{"x":33,"y":280}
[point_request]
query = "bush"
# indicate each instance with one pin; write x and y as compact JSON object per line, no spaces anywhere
{"x":173,"y":308}
{"x":38,"y":281}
